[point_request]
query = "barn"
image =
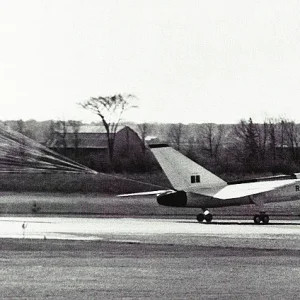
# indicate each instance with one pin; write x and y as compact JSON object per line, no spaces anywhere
{"x":89,"y":146}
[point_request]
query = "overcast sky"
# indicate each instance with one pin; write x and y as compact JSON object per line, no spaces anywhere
{"x":186,"y":61}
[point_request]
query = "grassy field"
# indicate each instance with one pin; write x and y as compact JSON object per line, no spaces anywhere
{"x":102,"y":205}
{"x":95,"y":194}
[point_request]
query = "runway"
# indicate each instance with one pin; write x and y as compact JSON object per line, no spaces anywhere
{"x":148,"y":258}
{"x":279,"y":234}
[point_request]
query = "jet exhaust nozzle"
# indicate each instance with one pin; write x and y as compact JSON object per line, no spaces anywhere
{"x":175,"y":199}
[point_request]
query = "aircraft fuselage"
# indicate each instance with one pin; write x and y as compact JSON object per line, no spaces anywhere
{"x":192,"y":199}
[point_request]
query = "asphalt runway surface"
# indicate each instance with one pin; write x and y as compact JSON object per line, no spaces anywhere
{"x":278,"y":234}
{"x":148,"y":258}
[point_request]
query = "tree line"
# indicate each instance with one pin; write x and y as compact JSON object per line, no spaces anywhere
{"x":243,"y":148}
{"x":246,"y":147}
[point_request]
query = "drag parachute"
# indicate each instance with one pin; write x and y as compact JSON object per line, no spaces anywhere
{"x":19,"y":153}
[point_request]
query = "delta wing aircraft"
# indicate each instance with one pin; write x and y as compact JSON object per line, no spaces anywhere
{"x":194,"y":186}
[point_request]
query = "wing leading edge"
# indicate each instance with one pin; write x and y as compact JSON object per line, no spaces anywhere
{"x":147,"y":193}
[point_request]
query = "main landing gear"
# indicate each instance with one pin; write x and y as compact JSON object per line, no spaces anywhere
{"x":206,"y":215}
{"x":261,"y":218}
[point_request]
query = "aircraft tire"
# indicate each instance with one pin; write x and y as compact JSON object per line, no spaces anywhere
{"x":257,"y":219}
{"x":208,"y":218}
{"x":265,"y":219}
{"x":200,"y":218}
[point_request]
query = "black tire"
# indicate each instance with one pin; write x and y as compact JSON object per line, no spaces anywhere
{"x":257,"y":219}
{"x":200,"y":218}
{"x":265,"y":219}
{"x":208,"y":218}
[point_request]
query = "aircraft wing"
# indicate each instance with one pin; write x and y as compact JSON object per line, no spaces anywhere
{"x":252,"y":188}
{"x":230,"y":191}
{"x":147,"y":193}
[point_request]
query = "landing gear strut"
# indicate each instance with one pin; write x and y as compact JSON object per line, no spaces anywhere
{"x":261,"y":218}
{"x":206,"y":215}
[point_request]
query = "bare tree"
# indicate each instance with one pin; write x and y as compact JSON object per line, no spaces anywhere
{"x":291,"y":137}
{"x":210,"y":137}
{"x":273,"y":140}
{"x":110,"y":109}
{"x":75,"y":127}
{"x":262,"y":132}
{"x":60,"y":130}
{"x":144,"y":130}
{"x":247,"y":144}
{"x":175,"y":134}
{"x":22,"y":127}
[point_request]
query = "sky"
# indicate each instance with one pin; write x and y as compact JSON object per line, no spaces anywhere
{"x":185,"y":61}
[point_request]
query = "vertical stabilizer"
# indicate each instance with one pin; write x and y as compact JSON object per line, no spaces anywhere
{"x":181,"y":171}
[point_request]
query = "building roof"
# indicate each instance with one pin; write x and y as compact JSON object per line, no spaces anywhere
{"x":86,"y":128}
{"x":89,"y":137}
{"x":84,"y":140}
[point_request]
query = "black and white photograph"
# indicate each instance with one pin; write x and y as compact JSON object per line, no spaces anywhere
{"x":149,"y":149}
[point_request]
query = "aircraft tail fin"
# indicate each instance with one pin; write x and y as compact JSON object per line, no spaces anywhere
{"x":181,"y":171}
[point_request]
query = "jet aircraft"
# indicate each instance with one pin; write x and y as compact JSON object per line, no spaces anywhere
{"x":194,"y":186}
